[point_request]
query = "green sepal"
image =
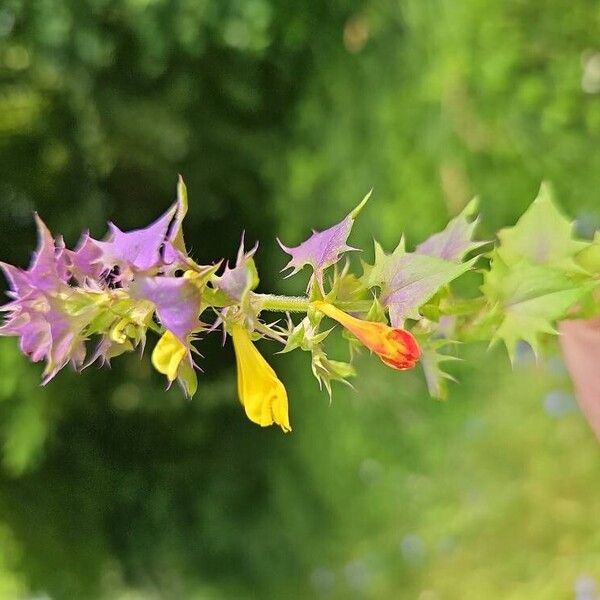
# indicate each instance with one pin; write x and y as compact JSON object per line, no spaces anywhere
{"x":377,"y":312}
{"x":326,"y":370}
{"x":432,"y":360}
{"x":305,"y":336}
{"x":186,"y":375}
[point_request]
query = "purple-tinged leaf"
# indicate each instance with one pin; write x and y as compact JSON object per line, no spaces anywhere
{"x":19,"y":282}
{"x":43,"y":271}
{"x":139,"y":249}
{"x":177,"y":302}
{"x":323,"y":248}
{"x":85,"y":260}
{"x":416,"y":278}
{"x":47,"y":331}
{"x":236,"y":282}
{"x":456,"y":240}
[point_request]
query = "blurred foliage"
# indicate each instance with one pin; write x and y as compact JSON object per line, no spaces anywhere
{"x":280,"y":117}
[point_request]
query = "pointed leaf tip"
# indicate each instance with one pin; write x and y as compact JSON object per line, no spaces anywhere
{"x":356,"y":211}
{"x":471,"y":207}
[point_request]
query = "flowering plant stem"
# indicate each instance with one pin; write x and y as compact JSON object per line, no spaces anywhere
{"x":404,"y":307}
{"x":301,"y":304}
{"x":275,"y":303}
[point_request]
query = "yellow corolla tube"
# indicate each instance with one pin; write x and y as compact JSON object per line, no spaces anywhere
{"x":260,"y":391}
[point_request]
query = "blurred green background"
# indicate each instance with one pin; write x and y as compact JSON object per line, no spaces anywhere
{"x":281,"y":116}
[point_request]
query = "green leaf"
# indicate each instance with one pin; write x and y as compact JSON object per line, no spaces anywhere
{"x":382,"y":269}
{"x":529,"y":299}
{"x":543,"y":236}
{"x":432,"y":360}
{"x":589,"y":257}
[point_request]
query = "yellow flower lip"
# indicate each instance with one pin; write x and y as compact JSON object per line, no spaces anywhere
{"x":396,"y":347}
{"x":260,"y":391}
{"x":167,"y":355}
{"x":172,"y":358}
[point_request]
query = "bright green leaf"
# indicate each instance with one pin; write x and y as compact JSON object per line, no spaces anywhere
{"x":543,"y":235}
{"x":529,"y":299}
{"x":589,"y":257}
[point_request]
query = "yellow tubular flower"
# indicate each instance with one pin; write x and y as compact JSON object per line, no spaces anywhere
{"x":261,"y":393}
{"x":167,"y":355}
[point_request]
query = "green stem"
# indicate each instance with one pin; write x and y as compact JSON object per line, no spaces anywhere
{"x":272,"y":302}
{"x":282,"y":303}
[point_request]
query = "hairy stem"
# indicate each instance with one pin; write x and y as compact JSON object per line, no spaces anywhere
{"x":272,"y":302}
{"x":276,"y":303}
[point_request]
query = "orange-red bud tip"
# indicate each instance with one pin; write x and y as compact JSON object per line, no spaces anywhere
{"x":407,"y":350}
